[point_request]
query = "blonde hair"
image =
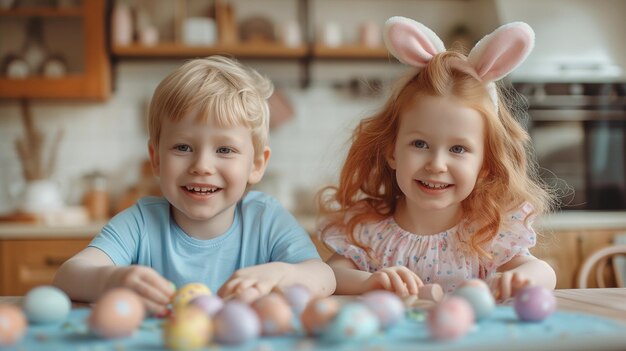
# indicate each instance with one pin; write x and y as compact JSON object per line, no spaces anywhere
{"x":219,"y":88}
{"x":368,"y":190}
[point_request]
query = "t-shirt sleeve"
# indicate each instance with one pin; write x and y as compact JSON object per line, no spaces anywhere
{"x":337,"y":240}
{"x":515,"y":237}
{"x":289,"y":241}
{"x":119,"y":238}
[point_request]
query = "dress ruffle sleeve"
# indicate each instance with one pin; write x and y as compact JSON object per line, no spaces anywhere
{"x":337,"y":240}
{"x":515,"y":238}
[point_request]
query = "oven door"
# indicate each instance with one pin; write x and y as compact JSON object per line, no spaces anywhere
{"x":581,"y":154}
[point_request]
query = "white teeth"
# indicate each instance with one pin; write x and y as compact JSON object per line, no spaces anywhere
{"x":201,"y":189}
{"x":433,"y":186}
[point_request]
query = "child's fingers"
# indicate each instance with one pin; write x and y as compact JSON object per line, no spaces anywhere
{"x":504,"y":285}
{"x":381,"y":280}
{"x":412,"y":281}
{"x":398,"y":284}
{"x":228,"y":287}
{"x":158,"y":288}
{"x":154,"y":308}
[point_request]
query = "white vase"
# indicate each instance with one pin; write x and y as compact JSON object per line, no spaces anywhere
{"x":40,"y":196}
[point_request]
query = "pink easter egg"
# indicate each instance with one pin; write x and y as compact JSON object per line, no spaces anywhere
{"x":451,"y":319}
{"x":236,"y":323}
{"x":387,"y":306}
{"x":534,"y":303}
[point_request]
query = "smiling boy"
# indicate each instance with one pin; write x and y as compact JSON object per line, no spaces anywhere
{"x":208,"y":125}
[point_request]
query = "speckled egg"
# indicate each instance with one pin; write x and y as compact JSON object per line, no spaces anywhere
{"x":451,"y":319}
{"x":188,"y":292}
{"x":298,"y":296}
{"x":274,"y":313}
{"x":477,"y":293}
{"x":117,"y":313}
{"x":318,"y":313}
{"x":13,"y":324}
{"x":46,"y":304}
{"x":210,"y":304}
{"x":534,"y":303}
{"x":387,"y":306}
{"x":353,"y":322}
{"x":236,"y":323}
{"x":189,"y":328}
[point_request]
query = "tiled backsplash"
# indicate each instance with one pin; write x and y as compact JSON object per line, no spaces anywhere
{"x":111,"y":136}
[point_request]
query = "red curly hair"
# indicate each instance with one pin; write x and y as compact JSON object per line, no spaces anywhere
{"x":368,"y":191}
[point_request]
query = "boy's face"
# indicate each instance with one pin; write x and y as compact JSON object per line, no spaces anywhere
{"x":438,"y":154}
{"x":204,"y":170}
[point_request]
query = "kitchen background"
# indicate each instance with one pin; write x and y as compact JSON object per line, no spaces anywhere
{"x":322,"y":94}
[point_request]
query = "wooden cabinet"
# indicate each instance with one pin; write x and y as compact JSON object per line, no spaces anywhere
{"x":565,"y":251}
{"x":25,"y":264}
{"x":87,"y":76}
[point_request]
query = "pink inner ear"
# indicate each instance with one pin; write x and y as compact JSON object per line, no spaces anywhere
{"x":502,"y":54}
{"x":410,"y":45}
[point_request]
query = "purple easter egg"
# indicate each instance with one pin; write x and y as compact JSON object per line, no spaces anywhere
{"x":236,"y":323}
{"x":298,"y":296}
{"x":386,"y":305}
{"x":210,"y":304}
{"x":534,"y":303}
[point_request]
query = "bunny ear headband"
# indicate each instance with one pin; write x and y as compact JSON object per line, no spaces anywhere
{"x":493,"y":57}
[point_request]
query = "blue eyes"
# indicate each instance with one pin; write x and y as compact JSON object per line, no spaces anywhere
{"x":456,"y":149}
{"x":420,"y":144}
{"x":187,"y":148}
{"x":183,"y":148}
{"x":224,"y":150}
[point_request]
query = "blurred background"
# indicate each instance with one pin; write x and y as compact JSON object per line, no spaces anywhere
{"x":76,"y":78}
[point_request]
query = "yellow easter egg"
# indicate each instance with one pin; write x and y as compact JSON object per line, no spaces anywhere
{"x":187,"y":329}
{"x":188,"y":292}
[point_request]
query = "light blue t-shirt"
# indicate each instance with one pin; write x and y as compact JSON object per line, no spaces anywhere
{"x":262,"y":231}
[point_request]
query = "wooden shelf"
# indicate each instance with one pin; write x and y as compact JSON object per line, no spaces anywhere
{"x":176,"y":50}
{"x":67,"y":87}
{"x":350,"y":52}
{"x":93,"y":82}
{"x":43,"y":12}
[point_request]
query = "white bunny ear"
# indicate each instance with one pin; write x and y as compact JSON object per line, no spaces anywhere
{"x":500,"y":52}
{"x":411,"y":42}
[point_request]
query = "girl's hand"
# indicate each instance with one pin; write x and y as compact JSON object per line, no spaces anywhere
{"x":397,"y":279}
{"x":155,"y":291}
{"x":506,"y":284}
{"x":248,"y":284}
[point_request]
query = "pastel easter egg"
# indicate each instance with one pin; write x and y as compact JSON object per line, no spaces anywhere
{"x":210,"y":304}
{"x":188,"y":329}
{"x":479,"y":297}
{"x":117,"y":313}
{"x":318,"y":313}
{"x":298,"y":296}
{"x":13,"y":324}
{"x":274,"y":313}
{"x":188,"y":292}
{"x":387,"y":306}
{"x":236,"y":323}
{"x":534,"y":303}
{"x":353,"y":322}
{"x":451,"y":319}
{"x":46,"y":304}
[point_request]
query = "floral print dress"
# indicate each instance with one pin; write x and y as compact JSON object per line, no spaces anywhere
{"x":442,"y":258}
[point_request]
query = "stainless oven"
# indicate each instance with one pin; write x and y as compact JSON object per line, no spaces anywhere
{"x":579,"y":137}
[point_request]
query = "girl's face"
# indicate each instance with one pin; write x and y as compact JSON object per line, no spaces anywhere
{"x":204,"y":170}
{"x":438,"y":153}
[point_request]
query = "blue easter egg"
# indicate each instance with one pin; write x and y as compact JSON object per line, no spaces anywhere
{"x":355,"y":321}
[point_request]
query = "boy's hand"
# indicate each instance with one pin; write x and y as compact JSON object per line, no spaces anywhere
{"x":506,"y":284}
{"x":248,"y":284}
{"x":155,"y":291}
{"x":397,"y":279}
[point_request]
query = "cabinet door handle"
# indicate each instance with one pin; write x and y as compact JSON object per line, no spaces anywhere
{"x":54,"y":261}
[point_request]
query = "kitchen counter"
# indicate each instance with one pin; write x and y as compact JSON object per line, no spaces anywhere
{"x":560,"y":221}
{"x":570,"y":220}
{"x":39,"y":231}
